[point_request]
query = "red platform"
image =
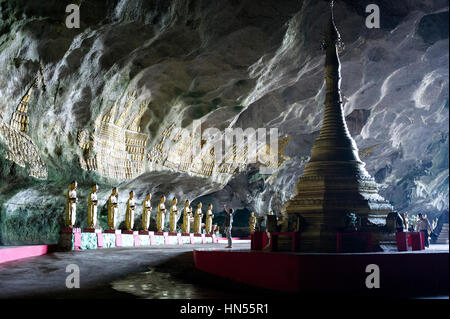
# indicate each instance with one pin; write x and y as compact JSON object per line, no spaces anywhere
{"x":259,"y":240}
{"x":130,"y":232}
{"x":401,"y":273}
{"x":112,"y":231}
{"x":415,"y":240}
{"x":15,"y":253}
{"x":294,"y":238}
{"x":361,"y":237}
{"x":91,"y":230}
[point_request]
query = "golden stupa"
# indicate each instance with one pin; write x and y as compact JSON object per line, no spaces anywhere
{"x":335,"y":188}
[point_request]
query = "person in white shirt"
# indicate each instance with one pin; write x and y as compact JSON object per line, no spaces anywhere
{"x":423,"y":225}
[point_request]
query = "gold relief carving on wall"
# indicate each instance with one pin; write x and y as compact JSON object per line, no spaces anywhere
{"x":365,"y":152}
{"x":20,"y":119}
{"x":115,"y":149}
{"x":157,"y":153}
{"x":176,"y":154}
{"x":20,"y":148}
{"x":267,"y":157}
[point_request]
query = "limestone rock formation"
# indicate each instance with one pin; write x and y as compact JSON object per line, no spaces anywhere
{"x":239,"y":64}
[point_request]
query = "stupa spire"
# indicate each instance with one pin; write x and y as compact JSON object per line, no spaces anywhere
{"x":334,"y":140}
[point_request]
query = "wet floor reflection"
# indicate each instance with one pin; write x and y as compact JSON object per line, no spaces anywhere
{"x":154,"y":284}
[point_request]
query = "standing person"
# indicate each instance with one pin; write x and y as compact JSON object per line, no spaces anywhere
{"x":228,"y":224}
{"x":146,"y":210}
{"x":71,"y":206}
{"x":129,"y":216}
{"x":423,"y":225}
{"x":113,"y":207}
{"x":92,"y":207}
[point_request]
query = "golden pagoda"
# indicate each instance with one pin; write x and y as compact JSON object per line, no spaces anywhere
{"x":335,"y":190}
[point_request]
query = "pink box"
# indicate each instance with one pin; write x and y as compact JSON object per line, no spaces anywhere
{"x":118,"y":240}
{"x":137,"y":242}
{"x":77,"y":241}
{"x":100,"y":240}
{"x":152,"y":239}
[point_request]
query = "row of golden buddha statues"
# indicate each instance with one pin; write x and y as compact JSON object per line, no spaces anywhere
{"x":188,"y":215}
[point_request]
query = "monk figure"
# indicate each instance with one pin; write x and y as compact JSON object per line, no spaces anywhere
{"x":209,"y":218}
{"x":113,"y":209}
{"x":92,"y":207}
{"x":131,"y":207}
{"x":161,"y":214}
{"x":146,"y":210}
{"x":252,"y":222}
{"x":198,"y":219}
{"x":187,"y":215}
{"x":173,"y":216}
{"x":71,"y":206}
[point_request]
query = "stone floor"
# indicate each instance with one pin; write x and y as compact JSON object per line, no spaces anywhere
{"x":142,"y":272}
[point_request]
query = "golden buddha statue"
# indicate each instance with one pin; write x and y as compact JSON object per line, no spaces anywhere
{"x":209,"y":218}
{"x":129,"y":217}
{"x":71,"y":206}
{"x":146,"y":210}
{"x":113,"y":209}
{"x":161,"y":214}
{"x":198,"y":219}
{"x":187,"y":215}
{"x":173,"y":216}
{"x":252,"y":222}
{"x":92,"y":207}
